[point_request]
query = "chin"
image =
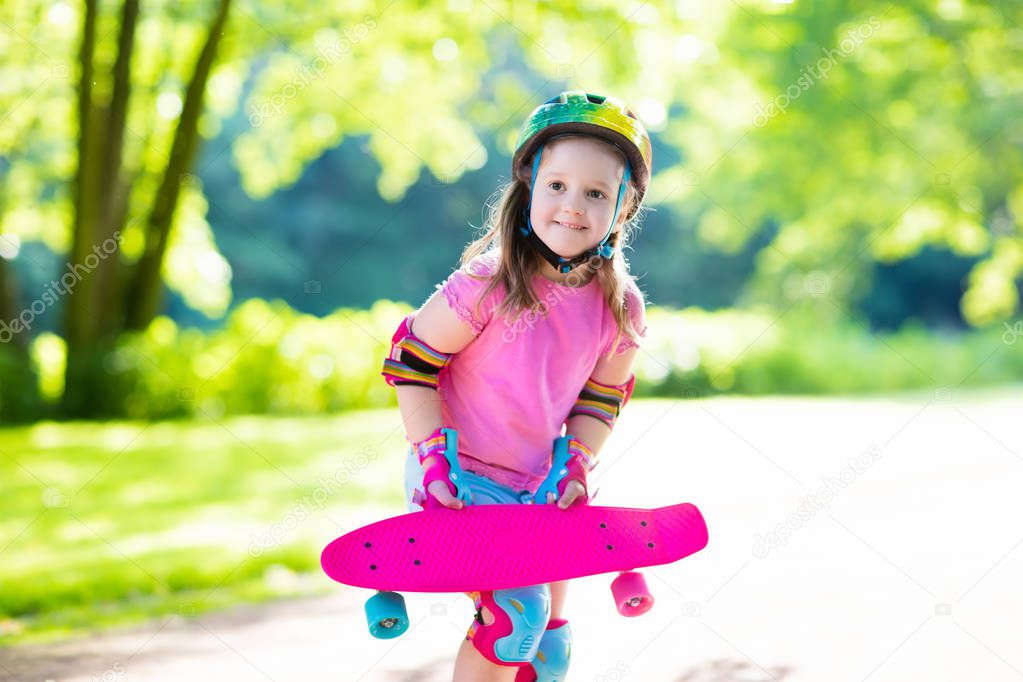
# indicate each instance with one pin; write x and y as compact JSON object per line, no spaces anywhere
{"x":564,"y":247}
{"x":565,"y":250}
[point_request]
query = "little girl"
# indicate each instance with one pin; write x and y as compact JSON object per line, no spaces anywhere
{"x":534,"y":335}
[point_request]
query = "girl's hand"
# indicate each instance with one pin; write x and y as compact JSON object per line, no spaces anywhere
{"x":569,"y":463}
{"x":442,"y":475}
{"x":440,"y":491}
{"x":574,"y":490}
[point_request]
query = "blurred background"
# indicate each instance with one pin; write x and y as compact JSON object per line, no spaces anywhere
{"x":213,"y":214}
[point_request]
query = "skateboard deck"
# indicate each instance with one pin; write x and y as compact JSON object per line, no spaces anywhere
{"x":491,"y":547}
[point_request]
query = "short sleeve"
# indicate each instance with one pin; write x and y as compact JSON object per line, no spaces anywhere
{"x":635,"y":306}
{"x":464,"y":289}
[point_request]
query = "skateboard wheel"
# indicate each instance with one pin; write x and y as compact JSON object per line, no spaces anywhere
{"x":632,"y":597}
{"x":386,"y":615}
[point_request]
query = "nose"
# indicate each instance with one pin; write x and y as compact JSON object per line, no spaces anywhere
{"x":573,"y":205}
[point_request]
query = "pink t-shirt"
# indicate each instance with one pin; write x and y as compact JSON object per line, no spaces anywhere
{"x":509,"y":391}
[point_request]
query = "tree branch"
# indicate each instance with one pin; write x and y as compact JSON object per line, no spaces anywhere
{"x":114,"y":193}
{"x":146,"y":291}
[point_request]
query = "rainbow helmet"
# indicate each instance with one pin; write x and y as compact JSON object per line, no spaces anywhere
{"x":578,"y":112}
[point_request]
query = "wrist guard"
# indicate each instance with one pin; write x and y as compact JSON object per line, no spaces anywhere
{"x":571,"y":461}
{"x":442,"y":446}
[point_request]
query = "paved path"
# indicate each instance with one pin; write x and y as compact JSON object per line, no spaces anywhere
{"x":901,"y":564}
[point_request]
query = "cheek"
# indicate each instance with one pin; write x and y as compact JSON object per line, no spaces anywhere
{"x":540,"y":208}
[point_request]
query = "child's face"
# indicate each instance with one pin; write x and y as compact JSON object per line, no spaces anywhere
{"x":574,"y":194}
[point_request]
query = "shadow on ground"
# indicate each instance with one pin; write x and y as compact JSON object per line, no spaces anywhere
{"x":724,"y":670}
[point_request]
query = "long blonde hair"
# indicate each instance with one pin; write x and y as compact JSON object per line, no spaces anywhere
{"x":518,"y":262}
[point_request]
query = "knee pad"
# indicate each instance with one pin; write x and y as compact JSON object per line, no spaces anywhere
{"x":520,"y":618}
{"x":551,"y":661}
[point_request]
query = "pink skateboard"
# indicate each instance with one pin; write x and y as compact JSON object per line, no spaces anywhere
{"x":491,"y":547}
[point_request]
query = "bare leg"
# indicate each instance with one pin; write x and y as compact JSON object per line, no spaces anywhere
{"x":471,"y":666}
{"x":559,"y":591}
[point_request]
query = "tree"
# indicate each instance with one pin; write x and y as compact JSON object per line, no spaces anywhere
{"x":867,"y":131}
{"x":106,"y":290}
{"x":840,"y":129}
{"x":114,"y":189}
{"x":101,"y":203}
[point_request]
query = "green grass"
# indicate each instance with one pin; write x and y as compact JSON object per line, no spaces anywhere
{"x":114,"y":522}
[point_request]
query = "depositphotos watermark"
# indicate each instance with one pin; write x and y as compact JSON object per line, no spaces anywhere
{"x":115,"y":672}
{"x":818,"y":71}
{"x":528,"y":319}
{"x":304,"y":508}
{"x":816,"y":501}
{"x":620,"y":671}
{"x":59,"y":287}
{"x":326,"y":56}
{"x":1012,"y":333}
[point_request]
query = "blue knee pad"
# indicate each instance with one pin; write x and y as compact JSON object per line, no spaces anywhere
{"x":520,"y":620}
{"x":551,"y":662}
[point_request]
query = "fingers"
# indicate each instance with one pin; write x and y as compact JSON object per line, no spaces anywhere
{"x":439,"y":490}
{"x":573,"y":491}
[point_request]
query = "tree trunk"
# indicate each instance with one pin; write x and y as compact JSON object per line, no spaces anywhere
{"x":114,"y":196}
{"x":146,"y":290}
{"x":110,"y":298}
{"x":80,"y":305}
{"x":10,"y":309}
{"x":19,"y":399}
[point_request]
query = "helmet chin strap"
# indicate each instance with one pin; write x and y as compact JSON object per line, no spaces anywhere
{"x":559,"y":263}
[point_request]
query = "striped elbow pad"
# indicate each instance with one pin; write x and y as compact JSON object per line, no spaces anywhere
{"x":412,"y":360}
{"x":603,"y":402}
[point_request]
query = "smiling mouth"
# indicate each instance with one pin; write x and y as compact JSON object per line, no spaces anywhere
{"x":571,"y":226}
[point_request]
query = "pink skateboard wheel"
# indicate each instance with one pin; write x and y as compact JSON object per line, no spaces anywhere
{"x":632,"y":596}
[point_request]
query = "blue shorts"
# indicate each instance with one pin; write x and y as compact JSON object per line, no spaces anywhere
{"x":482,"y":490}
